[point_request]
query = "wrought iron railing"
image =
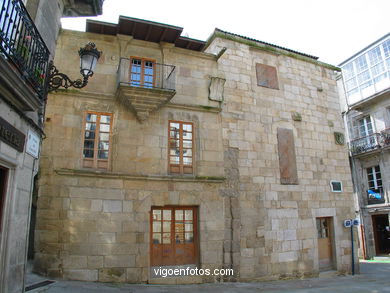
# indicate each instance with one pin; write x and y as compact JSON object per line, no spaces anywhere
{"x":375,"y":196}
{"x":151,"y":75}
{"x":365,"y":144}
{"x":22,"y":45}
{"x":370,"y":142}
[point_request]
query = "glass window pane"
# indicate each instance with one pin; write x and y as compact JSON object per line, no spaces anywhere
{"x":88,"y":153}
{"x":174,"y":152}
{"x":91,"y":117}
{"x":89,"y":135}
{"x":157,"y":226}
{"x":174,"y":126}
{"x":187,"y":135}
{"x":166,"y":226}
{"x":187,"y":161}
{"x":90,"y":126}
{"x":187,"y":152}
{"x":361,"y":63}
{"x":179,"y":238}
{"x":156,"y":238}
{"x":189,"y":237}
{"x":166,"y":238}
{"x":103,"y":155}
{"x":105,"y":127}
{"x":174,"y":134}
{"x":187,"y":144}
{"x":89,"y":144}
{"x":189,"y":227}
{"x":174,"y":160}
{"x":104,"y":136}
{"x":348,"y":71}
{"x":179,"y":215}
{"x":187,"y":127}
{"x":105,"y":119}
{"x":386,"y":48}
{"x":157,"y":215}
{"x":375,"y":55}
{"x":103,"y":145}
{"x":173,"y":143}
{"x":167,"y":215}
{"x":188,"y":215}
{"x":362,"y":77}
{"x":350,"y":84}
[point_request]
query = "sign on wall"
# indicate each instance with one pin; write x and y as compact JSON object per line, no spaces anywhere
{"x":33,"y":143}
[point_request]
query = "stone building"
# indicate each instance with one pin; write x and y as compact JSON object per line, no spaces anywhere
{"x":27,"y":39}
{"x":184,"y":153}
{"x":365,"y":100}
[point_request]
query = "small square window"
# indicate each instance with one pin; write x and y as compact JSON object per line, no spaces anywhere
{"x":336,"y":186}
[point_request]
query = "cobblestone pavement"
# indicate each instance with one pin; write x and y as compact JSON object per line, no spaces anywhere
{"x":374,"y":277}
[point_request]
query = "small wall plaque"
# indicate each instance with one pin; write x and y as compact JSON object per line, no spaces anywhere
{"x":339,"y":138}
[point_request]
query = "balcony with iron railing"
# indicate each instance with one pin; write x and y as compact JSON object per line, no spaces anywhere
{"x":22,"y":47}
{"x":375,"y":196}
{"x":372,"y":142}
{"x":144,"y":89}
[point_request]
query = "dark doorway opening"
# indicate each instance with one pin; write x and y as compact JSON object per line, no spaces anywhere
{"x":3,"y":190}
{"x":380,"y":225}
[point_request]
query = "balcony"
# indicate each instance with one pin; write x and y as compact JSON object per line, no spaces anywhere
{"x":145,"y":86}
{"x":22,"y":50}
{"x":365,"y":144}
{"x":375,"y":196}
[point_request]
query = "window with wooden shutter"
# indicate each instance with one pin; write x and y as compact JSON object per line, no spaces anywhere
{"x":97,"y":140}
{"x":181,"y":137}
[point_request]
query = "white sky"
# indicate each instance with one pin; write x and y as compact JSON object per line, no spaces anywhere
{"x":330,"y":29}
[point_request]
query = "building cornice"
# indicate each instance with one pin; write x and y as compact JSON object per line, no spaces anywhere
{"x":127,"y":176}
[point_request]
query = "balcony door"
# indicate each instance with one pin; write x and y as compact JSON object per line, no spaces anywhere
{"x":174,"y":236}
{"x":142,"y":72}
{"x":366,"y":131}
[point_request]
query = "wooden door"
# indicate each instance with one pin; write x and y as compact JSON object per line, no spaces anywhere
{"x":325,"y":243}
{"x":174,"y":236}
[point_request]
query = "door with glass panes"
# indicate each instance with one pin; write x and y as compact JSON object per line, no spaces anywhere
{"x":174,"y":236}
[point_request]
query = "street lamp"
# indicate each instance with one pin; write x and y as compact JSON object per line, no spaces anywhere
{"x":89,"y":56}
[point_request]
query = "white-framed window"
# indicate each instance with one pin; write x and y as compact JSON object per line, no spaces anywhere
{"x":336,"y":186}
{"x":368,"y":73}
{"x":365,"y":126}
{"x":374,"y":178}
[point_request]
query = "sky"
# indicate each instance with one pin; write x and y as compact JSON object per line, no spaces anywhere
{"x":333,"y":30}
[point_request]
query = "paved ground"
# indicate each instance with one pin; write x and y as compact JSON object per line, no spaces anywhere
{"x":374,"y":277}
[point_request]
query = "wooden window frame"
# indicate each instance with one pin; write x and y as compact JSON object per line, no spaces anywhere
{"x":183,"y":169}
{"x":173,"y":244}
{"x":142,"y":75}
{"x":95,"y":160}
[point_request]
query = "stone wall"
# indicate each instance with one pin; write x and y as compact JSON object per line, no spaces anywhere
{"x":16,"y":209}
{"x":278,"y":236}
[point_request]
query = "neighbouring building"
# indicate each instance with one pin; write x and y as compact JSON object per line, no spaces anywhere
{"x":27,"y":39}
{"x":365,"y":100}
{"x":184,"y":153}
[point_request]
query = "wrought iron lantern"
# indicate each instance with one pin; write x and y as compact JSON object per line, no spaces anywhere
{"x":89,"y":56}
